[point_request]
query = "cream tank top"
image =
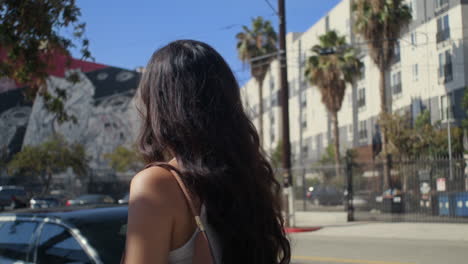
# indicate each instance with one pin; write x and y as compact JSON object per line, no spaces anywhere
{"x":184,"y":254}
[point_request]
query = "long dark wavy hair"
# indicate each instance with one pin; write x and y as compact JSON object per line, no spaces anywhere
{"x":191,"y":107}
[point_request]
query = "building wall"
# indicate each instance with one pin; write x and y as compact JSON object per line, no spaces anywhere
{"x":418,"y":68}
{"x":102,"y":102}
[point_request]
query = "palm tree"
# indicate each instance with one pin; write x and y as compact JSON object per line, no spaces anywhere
{"x":380,"y":23}
{"x":255,"y":42}
{"x":333,"y":65}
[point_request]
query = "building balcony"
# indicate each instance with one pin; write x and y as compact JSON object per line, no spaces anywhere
{"x":397,"y":57}
{"x":362,"y":134}
{"x":443,"y":35}
{"x":361,"y":102}
{"x":442,"y":6}
{"x":447,"y":71}
{"x":396,"y":88}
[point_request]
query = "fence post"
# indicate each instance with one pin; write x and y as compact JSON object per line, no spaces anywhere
{"x":304,"y":190}
{"x":349,"y":188}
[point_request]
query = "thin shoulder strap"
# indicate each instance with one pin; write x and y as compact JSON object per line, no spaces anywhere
{"x":184,"y":189}
{"x":202,"y":252}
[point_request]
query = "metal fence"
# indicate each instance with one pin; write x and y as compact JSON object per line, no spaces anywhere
{"x":425,"y":190}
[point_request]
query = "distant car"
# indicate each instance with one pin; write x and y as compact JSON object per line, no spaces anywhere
{"x":12,"y":197}
{"x":124,"y":200}
{"x":90,"y":199}
{"x":85,"y":235}
{"x":325,"y":195}
{"x":44,"y":202}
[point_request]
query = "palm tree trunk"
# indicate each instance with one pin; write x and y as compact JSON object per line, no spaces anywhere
{"x":260,"y":110}
{"x":336,"y":135}
{"x":383,"y":132}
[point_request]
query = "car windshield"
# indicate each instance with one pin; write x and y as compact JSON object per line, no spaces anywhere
{"x":107,"y":237}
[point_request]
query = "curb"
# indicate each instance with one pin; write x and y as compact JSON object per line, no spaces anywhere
{"x":301,"y":229}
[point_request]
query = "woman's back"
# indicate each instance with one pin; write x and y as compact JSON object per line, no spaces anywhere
{"x":191,"y":110}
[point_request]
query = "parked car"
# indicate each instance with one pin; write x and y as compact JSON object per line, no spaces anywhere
{"x":124,"y":200}
{"x":12,"y":197}
{"x":325,"y":195}
{"x":88,"y":235}
{"x":88,"y":199}
{"x":44,"y":202}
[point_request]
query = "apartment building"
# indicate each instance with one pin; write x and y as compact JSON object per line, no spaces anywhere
{"x":428,"y":73}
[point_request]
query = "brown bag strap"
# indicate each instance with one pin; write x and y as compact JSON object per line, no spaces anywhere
{"x":184,"y":189}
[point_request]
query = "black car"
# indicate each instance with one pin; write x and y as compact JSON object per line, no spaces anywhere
{"x":325,"y":195}
{"x":84,"y":235}
{"x":44,"y":202}
{"x":12,"y":197}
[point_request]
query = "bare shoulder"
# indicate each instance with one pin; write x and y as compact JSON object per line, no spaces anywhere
{"x":151,"y":216}
{"x":154,"y":185}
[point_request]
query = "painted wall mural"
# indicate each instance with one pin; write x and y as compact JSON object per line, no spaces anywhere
{"x":102,"y":102}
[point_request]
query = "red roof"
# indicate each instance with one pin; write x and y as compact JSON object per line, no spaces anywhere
{"x":59,"y":65}
{"x":85,"y":66}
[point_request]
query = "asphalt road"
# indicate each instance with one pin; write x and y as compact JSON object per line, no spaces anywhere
{"x":311,"y":248}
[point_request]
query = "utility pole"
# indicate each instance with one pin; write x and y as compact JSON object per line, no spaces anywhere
{"x":286,"y":157}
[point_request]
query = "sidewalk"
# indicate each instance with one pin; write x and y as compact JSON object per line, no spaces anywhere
{"x":334,"y":225}
{"x":320,"y":219}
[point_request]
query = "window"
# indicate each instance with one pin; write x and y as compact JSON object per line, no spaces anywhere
{"x":445,"y":67}
{"x":292,"y":89}
{"x":441,"y":3}
{"x":274,"y":99}
{"x":361,"y":101}
{"x":397,"y":52}
{"x":272,"y":84}
{"x":15,"y":237}
{"x":362,"y":129}
{"x":327,"y":23}
{"x":446,"y":107}
{"x":396,"y":83}
{"x":305,"y":151}
{"x":415,"y":72}
{"x":443,"y":29}
{"x":304,"y":120}
{"x":272,"y":119}
{"x":363,"y":72}
{"x":414,"y":39}
{"x":303,"y":99}
{"x":57,"y":245}
{"x":414,"y":9}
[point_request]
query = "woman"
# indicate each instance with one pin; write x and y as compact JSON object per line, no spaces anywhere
{"x":193,"y":116}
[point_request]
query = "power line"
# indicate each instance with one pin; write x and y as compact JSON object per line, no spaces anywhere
{"x":272,"y":8}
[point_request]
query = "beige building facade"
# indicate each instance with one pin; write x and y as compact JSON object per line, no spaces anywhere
{"x":429,"y":73}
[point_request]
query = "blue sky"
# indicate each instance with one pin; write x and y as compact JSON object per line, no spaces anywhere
{"x":125,"y":33}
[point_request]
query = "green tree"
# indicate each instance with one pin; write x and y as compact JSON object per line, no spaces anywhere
{"x":32,"y":33}
{"x":465,"y":108}
{"x":3,"y":158}
{"x":380,"y":23}
{"x":422,"y":140}
{"x":277,"y":155}
{"x":123,"y":159}
{"x":330,"y":73}
{"x":259,"y":40}
{"x":53,"y":156}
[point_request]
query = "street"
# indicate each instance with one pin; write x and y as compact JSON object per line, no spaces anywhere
{"x":329,"y":246}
